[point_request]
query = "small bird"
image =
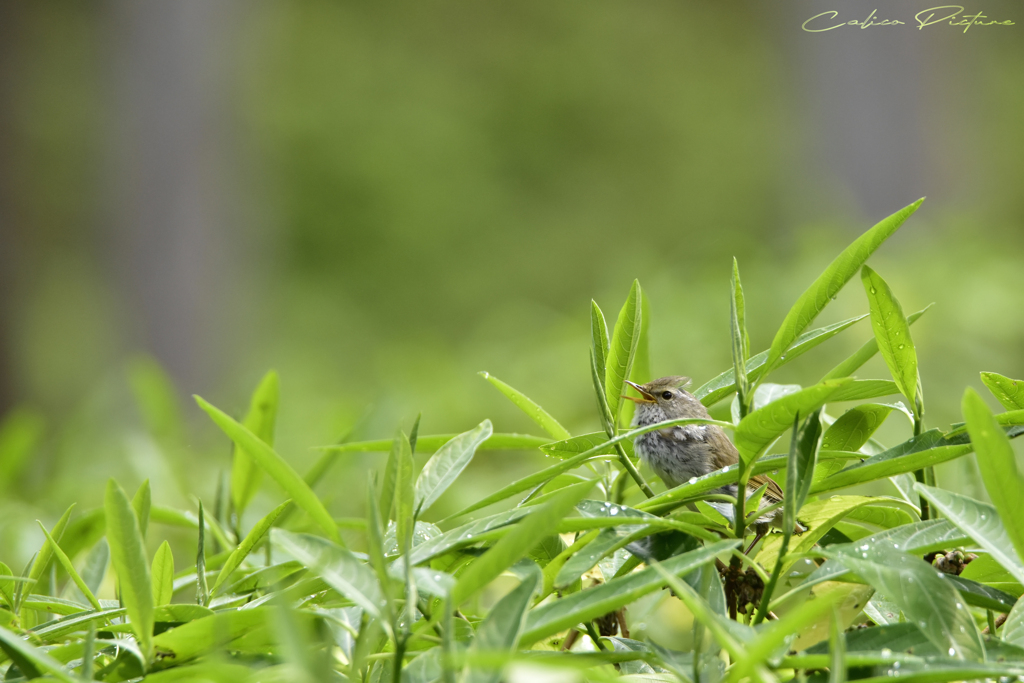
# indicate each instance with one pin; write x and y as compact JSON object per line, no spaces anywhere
{"x":679,"y":453}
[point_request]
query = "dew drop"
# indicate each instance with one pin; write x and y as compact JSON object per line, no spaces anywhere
{"x":902,"y":346}
{"x":613,"y":511}
{"x":693,"y":480}
{"x":896,"y":546}
{"x":895,"y":665}
{"x":952,"y":652}
{"x":874,"y":291}
{"x":886,"y":652}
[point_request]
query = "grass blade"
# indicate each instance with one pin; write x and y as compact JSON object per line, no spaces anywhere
{"x":250,"y":541}
{"x":279,"y":470}
{"x":162,"y":574}
{"x":622,"y":350}
{"x":260,"y":420}
{"x":530,"y":407}
{"x":42,"y":559}
{"x":129,"y":559}
{"x":520,"y":540}
{"x":893,"y":335}
{"x":447,"y":464}
{"x":827,"y":285}
{"x":997,"y":464}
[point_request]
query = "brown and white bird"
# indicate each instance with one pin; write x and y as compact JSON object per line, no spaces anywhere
{"x":676,"y":454}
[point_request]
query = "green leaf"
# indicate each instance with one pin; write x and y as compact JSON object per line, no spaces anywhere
{"x":519,"y":541}
{"x":250,"y":541}
{"x":339,"y":568}
{"x":1009,"y":392}
{"x":803,"y":456}
{"x":163,"y":575}
{"x":827,"y":285}
{"x":202,"y":589}
{"x":624,"y":340}
{"x":275,"y":466}
{"x":719,"y":387}
{"x":855,"y":427}
{"x":758,"y":430}
{"x":129,"y":559}
{"x":70,"y":568}
{"x":598,"y":340}
{"x":498,"y":634}
{"x":433,"y":442}
{"x":404,"y":493}
{"x":580,"y":444}
{"x":142,"y":501}
{"x":260,"y":420}
{"x":550,"y":618}
{"x":32,"y":661}
{"x":1013,"y":627}
{"x":528,"y":406}
{"x":997,"y":464}
{"x":740,"y":341}
{"x":466,"y":534}
{"x":21,"y":431}
{"x":928,"y":600}
{"x":196,"y":638}
{"x":641,"y":372}
{"x":925,"y":450}
{"x":860,"y":389}
{"x":42,"y":559}
{"x":893,"y":335}
{"x":865,"y":353}
{"x":447,"y":464}
{"x":980,"y":521}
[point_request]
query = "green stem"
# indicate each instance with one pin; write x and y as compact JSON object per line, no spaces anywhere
{"x":921,"y":475}
{"x":633,"y":472}
{"x":740,"y":521}
{"x":595,"y":636}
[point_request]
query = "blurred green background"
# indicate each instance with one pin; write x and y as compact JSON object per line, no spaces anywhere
{"x":380,"y":200}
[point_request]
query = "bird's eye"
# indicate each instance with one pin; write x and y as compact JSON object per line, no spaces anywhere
{"x":667,"y":395}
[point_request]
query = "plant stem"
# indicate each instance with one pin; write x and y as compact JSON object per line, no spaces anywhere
{"x":633,"y":472}
{"x":922,"y":475}
{"x":595,"y":636}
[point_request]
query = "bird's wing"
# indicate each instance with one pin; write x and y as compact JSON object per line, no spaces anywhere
{"x":773,"y":492}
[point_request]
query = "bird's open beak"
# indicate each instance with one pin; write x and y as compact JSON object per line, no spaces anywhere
{"x":644,"y":396}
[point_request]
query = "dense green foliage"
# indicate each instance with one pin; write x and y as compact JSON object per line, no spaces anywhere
{"x":921,"y":584}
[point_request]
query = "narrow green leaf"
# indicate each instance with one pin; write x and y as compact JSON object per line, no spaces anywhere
{"x":980,"y":521}
{"x":622,"y":351}
{"x":202,"y":589}
{"x":1013,"y":627}
{"x":31,"y":660}
{"x":519,"y":541}
{"x":433,"y":442}
{"x":70,"y":568}
{"x":42,"y":559}
{"x":211,"y":634}
{"x":855,"y":427}
{"x":275,"y":466}
{"x":740,"y":341}
{"x":598,"y":341}
{"x":893,"y":335}
{"x":837,"y":648}
{"x":142,"y":501}
{"x":803,"y":456}
{"x":641,"y":372}
{"x":129,"y":559}
{"x":719,"y":387}
{"x":530,"y":407}
{"x":447,"y":464}
{"x":250,"y":541}
{"x":580,"y":444}
{"x":860,"y":389}
{"x":390,"y":481}
{"x":997,"y":464}
{"x":498,"y":634}
{"x":466,"y":534}
{"x":928,"y":600}
{"x":339,"y":568}
{"x":163,"y":575}
{"x":260,"y":420}
{"x":1009,"y":392}
{"x":865,"y":353}
{"x":404,"y":493}
{"x":550,"y":618}
{"x":375,"y":550}
{"x":827,"y":285}
{"x":759,"y":430}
